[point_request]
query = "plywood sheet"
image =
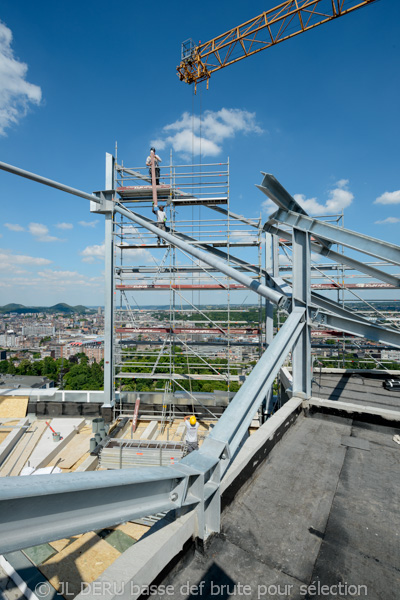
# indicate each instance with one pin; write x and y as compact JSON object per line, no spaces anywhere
{"x":21,"y":453}
{"x":133,"y":529}
{"x":13,"y":406}
{"x":59,"y":545}
{"x":77,"y":447}
{"x":82,"y":561}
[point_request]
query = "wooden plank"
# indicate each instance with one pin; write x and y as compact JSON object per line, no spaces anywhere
{"x":70,"y":455}
{"x":20,"y":455}
{"x":12,"y":439}
{"x":84,"y":560}
{"x":47,"y":449}
{"x":13,"y":406}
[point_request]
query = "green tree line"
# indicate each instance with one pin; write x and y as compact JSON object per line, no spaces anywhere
{"x":73,"y":374}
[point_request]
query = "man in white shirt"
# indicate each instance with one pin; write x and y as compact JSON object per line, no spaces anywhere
{"x":157,"y":160}
{"x":191,"y":433}
{"x":161,"y":220}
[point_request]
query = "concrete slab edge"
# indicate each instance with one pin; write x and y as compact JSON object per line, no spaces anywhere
{"x":271,"y":431}
{"x":11,"y":440}
{"x":139,"y":566}
{"x":362,"y":409}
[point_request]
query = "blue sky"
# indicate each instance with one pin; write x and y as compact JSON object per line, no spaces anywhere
{"x":320,"y":112}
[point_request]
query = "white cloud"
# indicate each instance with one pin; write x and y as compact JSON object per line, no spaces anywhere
{"x":339,"y":199}
{"x":387,"y":221}
{"x":15,"y":92}
{"x":9,"y":260}
{"x":41,"y":233}
{"x":389,"y":198}
{"x":244,"y":236}
{"x":64,"y":226}
{"x":342,"y":183}
{"x":88,"y":223}
{"x":268,"y":207}
{"x":52,"y":277}
{"x":14,"y":227}
{"x":135,"y":255}
{"x":92,"y":253}
{"x":190,"y":134}
{"x":95,"y":253}
{"x":56,"y":281}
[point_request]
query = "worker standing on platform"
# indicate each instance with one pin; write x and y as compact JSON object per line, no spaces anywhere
{"x":191,"y":433}
{"x":157,"y":160}
{"x":161,"y":220}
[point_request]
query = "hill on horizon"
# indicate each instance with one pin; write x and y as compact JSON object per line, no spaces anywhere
{"x":62,"y":307}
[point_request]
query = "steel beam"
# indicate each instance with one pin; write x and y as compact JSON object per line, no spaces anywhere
{"x":275,"y":191}
{"x":339,"y":235}
{"x":255,"y":286}
{"x":109,"y":289}
{"x":301,"y":355}
{"x":340,"y":258}
{"x":355,"y":327}
{"x":241,"y":218}
{"x":236,"y":419}
{"x":46,"y":181}
{"x":275,"y":283}
{"x":34,"y":510}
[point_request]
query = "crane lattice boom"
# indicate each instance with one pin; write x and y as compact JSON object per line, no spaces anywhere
{"x":271,"y":27}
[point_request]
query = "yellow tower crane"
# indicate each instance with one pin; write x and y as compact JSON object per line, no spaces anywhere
{"x":271,"y":27}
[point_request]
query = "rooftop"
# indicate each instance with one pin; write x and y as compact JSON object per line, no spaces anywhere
{"x":322,"y":510}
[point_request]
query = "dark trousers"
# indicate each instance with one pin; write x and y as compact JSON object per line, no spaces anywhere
{"x":191,"y":446}
{"x":161,"y":226}
{"x":157,"y":170}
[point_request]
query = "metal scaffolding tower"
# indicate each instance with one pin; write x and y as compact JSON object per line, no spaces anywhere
{"x":177,"y":341}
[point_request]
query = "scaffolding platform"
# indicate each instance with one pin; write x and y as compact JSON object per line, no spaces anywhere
{"x":217,"y":244}
{"x":138,"y":193}
{"x":191,"y":330}
{"x":178,"y":376}
{"x":179,"y":287}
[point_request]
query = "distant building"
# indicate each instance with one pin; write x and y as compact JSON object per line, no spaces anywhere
{"x":25,"y":381}
{"x":393,"y":355}
{"x":38,"y":330}
{"x":10,"y":340}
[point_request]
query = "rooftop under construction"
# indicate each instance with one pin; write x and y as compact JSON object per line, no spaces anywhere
{"x":293,"y":490}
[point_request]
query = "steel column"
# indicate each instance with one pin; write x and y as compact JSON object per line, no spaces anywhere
{"x":271,"y":268}
{"x":301,"y":299}
{"x":109,"y":292}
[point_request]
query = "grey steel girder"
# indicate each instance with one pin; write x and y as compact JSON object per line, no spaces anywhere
{"x":34,"y":510}
{"x":241,"y":218}
{"x":355,"y":327}
{"x":275,"y":283}
{"x":340,"y":258}
{"x":275,"y":191}
{"x":45,"y":181}
{"x":275,"y":297}
{"x":339,"y":235}
{"x":236,"y":419}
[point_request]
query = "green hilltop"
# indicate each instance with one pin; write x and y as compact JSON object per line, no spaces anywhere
{"x":57,"y":308}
